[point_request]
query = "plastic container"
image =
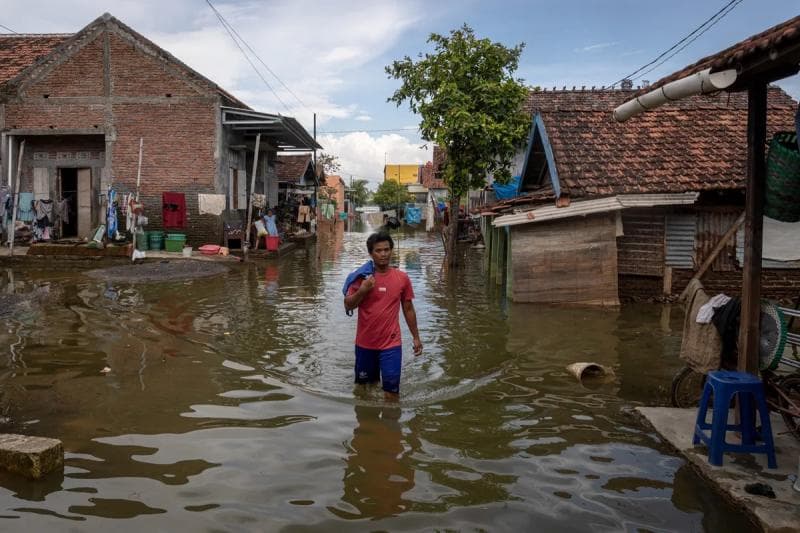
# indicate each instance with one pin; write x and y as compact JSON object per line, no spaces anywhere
{"x":209,"y":249}
{"x":175,"y":244}
{"x":156,"y":239}
{"x":272,"y":243}
{"x":187,"y":251}
{"x":141,"y":241}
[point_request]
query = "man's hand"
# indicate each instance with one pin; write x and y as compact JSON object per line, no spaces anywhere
{"x":417,"y":346}
{"x":367,"y":284}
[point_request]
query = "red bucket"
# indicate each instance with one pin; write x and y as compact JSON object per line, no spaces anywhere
{"x":272,"y":242}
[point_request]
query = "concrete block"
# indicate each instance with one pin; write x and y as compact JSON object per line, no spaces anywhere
{"x":32,"y":457}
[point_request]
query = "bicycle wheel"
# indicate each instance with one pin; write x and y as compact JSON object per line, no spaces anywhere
{"x":790,"y":386}
{"x":687,"y":387}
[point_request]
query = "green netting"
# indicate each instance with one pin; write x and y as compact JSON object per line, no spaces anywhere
{"x":773,"y":336}
{"x":782,"y":200}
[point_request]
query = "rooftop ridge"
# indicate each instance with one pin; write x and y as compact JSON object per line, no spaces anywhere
{"x":29,"y":35}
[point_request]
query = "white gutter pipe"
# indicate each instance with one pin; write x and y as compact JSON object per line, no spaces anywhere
{"x":702,"y":82}
{"x":10,"y":139}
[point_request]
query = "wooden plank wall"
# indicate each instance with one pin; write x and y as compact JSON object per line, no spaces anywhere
{"x":641,"y":248}
{"x":572,"y":261}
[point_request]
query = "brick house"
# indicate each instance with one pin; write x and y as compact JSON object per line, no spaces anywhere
{"x":81,"y":102}
{"x":335,"y":191}
{"x":608,"y":211}
{"x":430,"y":174}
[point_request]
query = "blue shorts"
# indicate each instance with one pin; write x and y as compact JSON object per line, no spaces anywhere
{"x":380,"y":365}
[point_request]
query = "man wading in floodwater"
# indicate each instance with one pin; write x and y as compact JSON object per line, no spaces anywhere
{"x":378,"y":291}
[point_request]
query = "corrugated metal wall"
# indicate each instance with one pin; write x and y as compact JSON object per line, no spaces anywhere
{"x":711,"y":226}
{"x":680,"y":240}
{"x":641,"y":248}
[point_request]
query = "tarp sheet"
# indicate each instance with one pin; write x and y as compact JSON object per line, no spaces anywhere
{"x":509,"y":190}
{"x":413,"y":215}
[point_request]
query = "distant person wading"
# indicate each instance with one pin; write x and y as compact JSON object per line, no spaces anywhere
{"x":378,"y":291}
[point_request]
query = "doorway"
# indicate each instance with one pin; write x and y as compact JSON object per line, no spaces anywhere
{"x":76,"y":188}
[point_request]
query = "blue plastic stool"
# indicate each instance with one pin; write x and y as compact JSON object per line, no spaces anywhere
{"x":724,"y":385}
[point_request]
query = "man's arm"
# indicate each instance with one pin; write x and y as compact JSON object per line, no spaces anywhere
{"x":351,"y":301}
{"x":410,"y":315}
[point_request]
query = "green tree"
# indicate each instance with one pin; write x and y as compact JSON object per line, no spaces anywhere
{"x":470,"y":104}
{"x":330,"y":163}
{"x":391,"y":194}
{"x":359,"y":193}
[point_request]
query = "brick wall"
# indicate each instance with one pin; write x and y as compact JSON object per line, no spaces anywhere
{"x":178,"y":156}
{"x":40,"y":113}
{"x":776,"y":284}
{"x":80,"y":75}
{"x":133,"y":73}
{"x":641,"y":247}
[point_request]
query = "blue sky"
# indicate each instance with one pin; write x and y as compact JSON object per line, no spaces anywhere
{"x":332,"y":54}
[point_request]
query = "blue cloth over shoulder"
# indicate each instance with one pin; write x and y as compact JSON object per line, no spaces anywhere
{"x":362,"y":272}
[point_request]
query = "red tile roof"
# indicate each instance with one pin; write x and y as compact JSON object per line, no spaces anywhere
{"x":20,"y":51}
{"x":695,"y":144}
{"x":543,"y":195}
{"x":774,"y":48}
{"x":292,"y":168}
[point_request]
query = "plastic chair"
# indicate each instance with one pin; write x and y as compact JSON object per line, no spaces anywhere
{"x":723,"y":385}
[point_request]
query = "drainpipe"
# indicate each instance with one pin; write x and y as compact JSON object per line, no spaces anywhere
{"x":10,"y":139}
{"x":702,"y":82}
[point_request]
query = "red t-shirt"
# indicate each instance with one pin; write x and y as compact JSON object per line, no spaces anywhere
{"x":379,"y":311}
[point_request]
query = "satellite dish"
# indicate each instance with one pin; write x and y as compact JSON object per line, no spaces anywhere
{"x":773,"y":336}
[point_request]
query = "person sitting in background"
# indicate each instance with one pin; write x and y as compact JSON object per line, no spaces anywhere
{"x":269,"y":221}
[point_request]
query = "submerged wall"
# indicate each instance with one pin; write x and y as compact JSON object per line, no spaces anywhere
{"x":571,"y":261}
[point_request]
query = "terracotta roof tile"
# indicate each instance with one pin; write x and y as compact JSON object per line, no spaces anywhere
{"x":19,"y":51}
{"x":694,"y":144}
{"x":292,"y":168}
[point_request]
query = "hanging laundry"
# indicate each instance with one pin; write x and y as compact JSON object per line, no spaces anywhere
{"x":111,"y":214}
{"x":174,"y":210}
{"x":43,"y":220}
{"x":4,"y":195}
{"x":211,"y":204}
{"x":706,"y":312}
{"x":25,"y":209}
{"x":62,"y":211}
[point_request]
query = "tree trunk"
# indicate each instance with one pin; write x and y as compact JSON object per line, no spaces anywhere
{"x":452,"y":237}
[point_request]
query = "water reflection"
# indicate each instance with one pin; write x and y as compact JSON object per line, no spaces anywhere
{"x":378,"y":471}
{"x":229,"y":405}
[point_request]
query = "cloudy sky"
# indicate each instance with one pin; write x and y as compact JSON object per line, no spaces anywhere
{"x":329,"y":56}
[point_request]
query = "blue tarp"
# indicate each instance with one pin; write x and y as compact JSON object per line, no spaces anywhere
{"x":509,"y":190}
{"x":413,"y":215}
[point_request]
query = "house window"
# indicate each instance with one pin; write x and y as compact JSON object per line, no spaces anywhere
{"x":680,"y":235}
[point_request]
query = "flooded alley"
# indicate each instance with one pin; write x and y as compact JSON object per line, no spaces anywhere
{"x":227,"y":403}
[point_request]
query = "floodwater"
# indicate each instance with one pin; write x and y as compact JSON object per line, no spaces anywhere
{"x":229,"y":406}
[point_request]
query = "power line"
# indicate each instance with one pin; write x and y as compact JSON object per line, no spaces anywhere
{"x":219,"y":15}
{"x":687,"y":44}
{"x":236,"y":42}
{"x":711,"y":21}
{"x":369,"y":131}
{"x":7,"y":28}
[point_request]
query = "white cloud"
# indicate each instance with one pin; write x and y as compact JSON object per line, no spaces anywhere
{"x":363,"y":155}
{"x":363,"y":118}
{"x":316,"y":65}
{"x":598,"y":46}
